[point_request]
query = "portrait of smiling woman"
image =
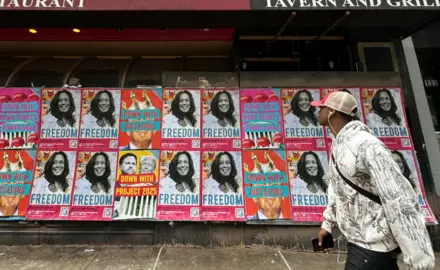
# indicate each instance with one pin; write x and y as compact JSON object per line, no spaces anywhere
{"x":224,"y":177}
{"x":384,"y":110}
{"x":222,"y":112}
{"x":55,"y":177}
{"x":102,"y":111}
{"x":310,"y":174}
{"x":301,"y":113}
{"x":404,"y":168}
{"x":61,"y":112}
{"x":182,"y":175}
{"x":183,"y":111}
{"x":98,"y":178}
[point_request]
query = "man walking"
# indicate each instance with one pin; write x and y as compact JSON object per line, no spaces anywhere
{"x":370,"y":200}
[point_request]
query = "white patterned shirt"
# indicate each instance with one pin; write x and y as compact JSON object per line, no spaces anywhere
{"x":366,"y":161}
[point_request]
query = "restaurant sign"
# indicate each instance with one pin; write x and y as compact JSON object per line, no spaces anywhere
{"x":37,"y":4}
{"x":100,"y":5}
{"x":145,"y":5}
{"x":344,"y":4}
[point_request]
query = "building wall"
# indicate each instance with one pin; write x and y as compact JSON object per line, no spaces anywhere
{"x":198,"y":233}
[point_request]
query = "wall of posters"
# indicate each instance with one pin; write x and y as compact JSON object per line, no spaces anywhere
{"x":188,"y":154}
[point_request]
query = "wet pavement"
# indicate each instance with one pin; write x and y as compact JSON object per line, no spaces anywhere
{"x":164,"y":258}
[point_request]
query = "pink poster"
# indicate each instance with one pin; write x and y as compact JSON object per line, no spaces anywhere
{"x":60,"y":118}
{"x":140,"y":119}
{"x":52,"y":185}
{"x":179,"y":186}
{"x":302,"y":130}
{"x":306,"y":170}
{"x":19,"y":118}
{"x":262,"y":125}
{"x":136,"y":185}
{"x":266,"y":186}
{"x":16,"y":174}
{"x":93,"y":193}
{"x":221,"y":119}
{"x":222,"y":186}
{"x":100,"y":110}
{"x":385,"y":114}
{"x":405,"y":158}
{"x":181,"y":119}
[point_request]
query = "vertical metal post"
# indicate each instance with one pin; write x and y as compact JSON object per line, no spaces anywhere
{"x":416,"y":101}
{"x":126,"y":70}
{"x":236,"y":53}
{"x":182,"y":63}
{"x":73,"y":68}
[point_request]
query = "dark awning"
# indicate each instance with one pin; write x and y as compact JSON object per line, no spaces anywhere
{"x":359,"y":24}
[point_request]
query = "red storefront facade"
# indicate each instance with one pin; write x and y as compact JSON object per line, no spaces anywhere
{"x":233,"y":43}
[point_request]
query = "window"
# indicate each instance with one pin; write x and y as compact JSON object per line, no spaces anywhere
{"x":148,"y":71}
{"x":47,"y":72}
{"x":7,"y":66}
{"x":100,"y":72}
{"x":378,"y":56}
{"x":213,"y":64}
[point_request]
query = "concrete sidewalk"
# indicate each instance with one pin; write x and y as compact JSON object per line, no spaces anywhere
{"x":162,"y":258}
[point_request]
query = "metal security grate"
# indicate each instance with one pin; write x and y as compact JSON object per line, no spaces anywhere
{"x":136,"y":207}
{"x":10,"y":136}
{"x":256,"y":135}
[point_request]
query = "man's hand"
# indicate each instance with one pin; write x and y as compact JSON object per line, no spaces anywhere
{"x":322,"y":233}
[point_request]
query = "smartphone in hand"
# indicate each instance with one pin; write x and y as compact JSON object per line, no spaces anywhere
{"x":327,"y":243}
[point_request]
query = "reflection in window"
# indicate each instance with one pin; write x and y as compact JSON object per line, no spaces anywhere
{"x":214,"y":64}
{"x":149,"y":71}
{"x":48,"y":72}
{"x":96,"y":72}
{"x":7,"y":66}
